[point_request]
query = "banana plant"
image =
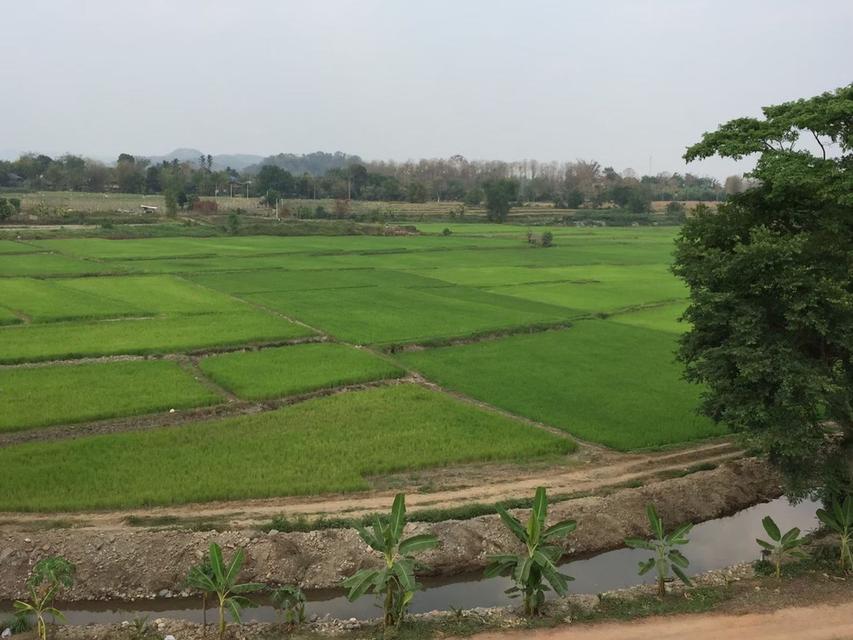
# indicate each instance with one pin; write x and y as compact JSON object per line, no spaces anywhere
{"x":49,"y":576}
{"x":532,"y":568}
{"x":395,"y":582}
{"x":781,"y":545}
{"x":194,"y":581}
{"x":290,"y":601}
{"x":222,"y":581}
{"x":840,"y":520}
{"x":667,"y":558}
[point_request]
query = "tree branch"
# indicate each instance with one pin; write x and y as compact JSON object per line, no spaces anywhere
{"x":819,"y":143}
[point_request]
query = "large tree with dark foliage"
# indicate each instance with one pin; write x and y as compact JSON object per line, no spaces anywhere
{"x":771,"y":290}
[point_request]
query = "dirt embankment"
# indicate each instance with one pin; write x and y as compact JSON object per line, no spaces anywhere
{"x":125,"y":564}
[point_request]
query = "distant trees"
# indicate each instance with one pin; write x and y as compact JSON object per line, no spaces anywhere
{"x":579,"y":184}
{"x":500,"y":194}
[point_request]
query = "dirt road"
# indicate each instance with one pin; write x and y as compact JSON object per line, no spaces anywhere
{"x":799,"y":623}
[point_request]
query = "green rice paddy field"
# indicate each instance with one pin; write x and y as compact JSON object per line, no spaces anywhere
{"x":579,"y":336}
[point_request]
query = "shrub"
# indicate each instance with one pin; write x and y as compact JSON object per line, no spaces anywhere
{"x":840,"y":520}
{"x":666,"y":557}
{"x":547,"y":239}
{"x":446,"y":231}
{"x":233,"y":225}
{"x":538,"y":563}
{"x":290,"y":603}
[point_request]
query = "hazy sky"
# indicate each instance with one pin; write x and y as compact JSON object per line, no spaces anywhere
{"x":629,"y":83}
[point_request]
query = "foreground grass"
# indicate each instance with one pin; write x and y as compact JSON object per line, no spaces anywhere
{"x":43,"y":396}
{"x":603,"y":381}
{"x":325,"y":445}
{"x":144,"y":336}
{"x":273,"y":373}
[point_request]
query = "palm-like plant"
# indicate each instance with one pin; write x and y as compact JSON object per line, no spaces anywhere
{"x":194,"y":582}
{"x":222,"y":581}
{"x":290,"y":601}
{"x":781,"y":545}
{"x":667,"y":558}
{"x":48,"y":578}
{"x":840,"y":520}
{"x":395,"y":582}
{"x":530,"y":569}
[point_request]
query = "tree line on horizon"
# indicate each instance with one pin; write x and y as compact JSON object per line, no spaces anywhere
{"x":579,"y":184}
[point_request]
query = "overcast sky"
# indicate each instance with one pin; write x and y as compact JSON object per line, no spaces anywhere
{"x":629,"y":83}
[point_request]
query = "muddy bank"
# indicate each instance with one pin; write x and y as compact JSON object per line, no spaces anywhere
{"x":127,"y":564}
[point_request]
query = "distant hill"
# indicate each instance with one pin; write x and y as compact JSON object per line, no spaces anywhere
{"x":238,"y":161}
{"x":317,"y":163}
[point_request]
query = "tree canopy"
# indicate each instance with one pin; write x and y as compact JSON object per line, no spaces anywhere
{"x":771,"y":290}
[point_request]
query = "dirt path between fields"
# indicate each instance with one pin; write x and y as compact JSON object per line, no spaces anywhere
{"x":820,"y":622}
{"x":125,"y":563}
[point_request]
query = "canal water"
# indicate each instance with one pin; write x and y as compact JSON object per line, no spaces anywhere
{"x":713,"y":545}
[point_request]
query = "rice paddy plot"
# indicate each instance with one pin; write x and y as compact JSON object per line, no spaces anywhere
{"x":385,"y":315}
{"x":11,"y":246}
{"x":49,"y":264}
{"x":602,"y":287}
{"x":47,"y":300}
{"x":286,"y":371}
{"x":142,"y":336}
{"x":603,"y":381}
{"x":325,"y":445}
{"x":164,"y":294}
{"x":663,"y":318}
{"x":312,"y":280}
{"x":65,"y":394}
{"x":181,"y":247}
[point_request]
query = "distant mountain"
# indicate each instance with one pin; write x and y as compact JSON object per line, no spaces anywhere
{"x":317,"y":163}
{"x":238,"y":161}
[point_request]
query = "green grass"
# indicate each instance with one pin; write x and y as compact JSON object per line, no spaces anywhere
{"x":326,"y":445}
{"x":41,"y":396}
{"x":48,"y":300}
{"x":285,"y":371}
{"x":600,"y":380}
{"x":48,"y":264}
{"x":145,"y":336}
